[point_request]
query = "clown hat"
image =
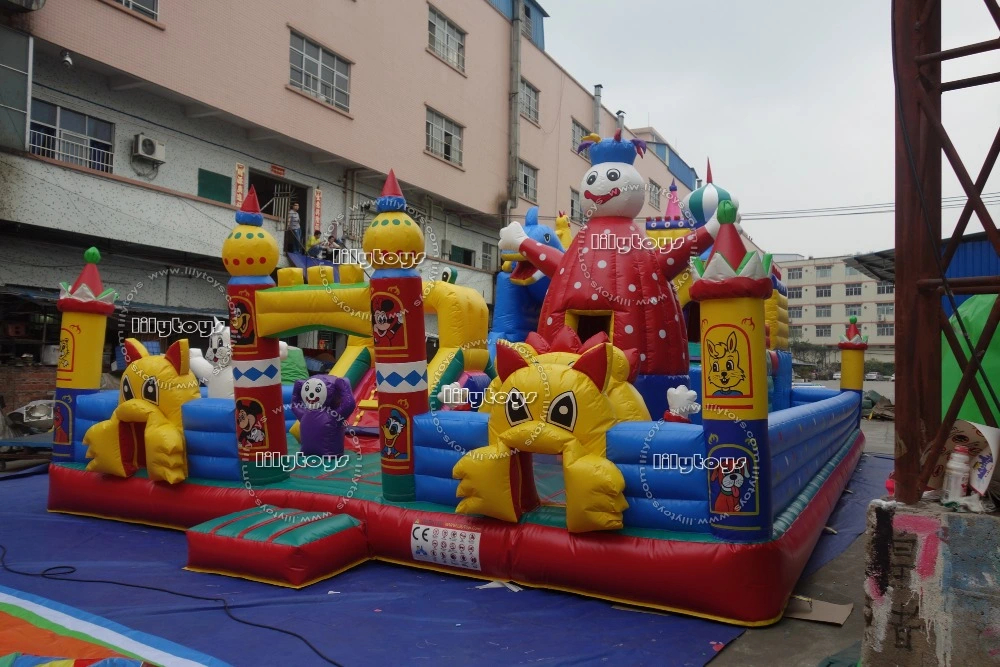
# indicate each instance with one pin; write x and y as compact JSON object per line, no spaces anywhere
{"x":614,"y":149}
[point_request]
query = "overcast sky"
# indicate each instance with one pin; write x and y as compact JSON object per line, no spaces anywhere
{"x":792,"y":100}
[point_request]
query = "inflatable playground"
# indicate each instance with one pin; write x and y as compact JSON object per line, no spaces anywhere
{"x":625,"y":428}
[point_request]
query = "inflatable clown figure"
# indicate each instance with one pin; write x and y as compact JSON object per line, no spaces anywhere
{"x":612,"y":279}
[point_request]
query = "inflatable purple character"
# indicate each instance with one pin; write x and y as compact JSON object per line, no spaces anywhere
{"x":322,"y":404}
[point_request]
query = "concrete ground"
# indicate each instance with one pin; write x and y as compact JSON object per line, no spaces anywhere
{"x":796,"y":643}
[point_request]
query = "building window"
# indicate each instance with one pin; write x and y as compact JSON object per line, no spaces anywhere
{"x":886,"y":287}
{"x":575,"y":210}
{"x":446,"y":39}
{"x":824,"y":331}
{"x":824,"y":311}
{"x":444,"y":137}
{"x":579,"y":132}
{"x":145,"y":7}
{"x":795,"y":312}
{"x":852,"y":309}
{"x":320,"y":72}
{"x":885,"y":309}
{"x":527,"y":178}
{"x":654,"y":194}
{"x":824,"y":271}
{"x":851,"y":271}
{"x":529,"y":101}
{"x":794,"y":292}
{"x":852,"y":289}
{"x":795,"y":331}
{"x":216,"y":187}
{"x":823,"y":290}
{"x":462,"y":255}
{"x":885,"y":329}
{"x":795,"y":274}
{"x":489,"y":253}
{"x":70,"y":136}
{"x":526,"y":22}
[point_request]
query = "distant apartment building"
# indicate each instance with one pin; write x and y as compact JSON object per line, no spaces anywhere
{"x":824,"y":292}
{"x":139,"y":125}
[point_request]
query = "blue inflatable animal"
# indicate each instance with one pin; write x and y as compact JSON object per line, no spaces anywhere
{"x":520,"y":291}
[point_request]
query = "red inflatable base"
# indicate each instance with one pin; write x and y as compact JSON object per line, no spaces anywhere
{"x":743,"y":584}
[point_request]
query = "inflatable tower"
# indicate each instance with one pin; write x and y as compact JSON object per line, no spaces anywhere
{"x":852,"y":359}
{"x":85,"y":308}
{"x":731,"y":289}
{"x":250,"y":254}
{"x":394,"y":245}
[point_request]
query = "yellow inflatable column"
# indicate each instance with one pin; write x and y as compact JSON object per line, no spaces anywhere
{"x":731,"y":289}
{"x":852,"y":359}
{"x":85,"y":306}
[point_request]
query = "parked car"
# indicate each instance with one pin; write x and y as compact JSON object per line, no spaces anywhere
{"x":872,"y":376}
{"x":893,"y":378}
{"x":836,"y":376}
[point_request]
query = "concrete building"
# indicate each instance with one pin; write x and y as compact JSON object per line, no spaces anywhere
{"x":824,"y":292}
{"x":144,"y":144}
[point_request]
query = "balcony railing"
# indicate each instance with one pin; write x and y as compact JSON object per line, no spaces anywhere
{"x":74,"y":152}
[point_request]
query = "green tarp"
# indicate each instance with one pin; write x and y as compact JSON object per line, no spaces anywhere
{"x":974,"y":313}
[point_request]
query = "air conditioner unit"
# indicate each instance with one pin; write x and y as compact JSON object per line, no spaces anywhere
{"x":148,"y":148}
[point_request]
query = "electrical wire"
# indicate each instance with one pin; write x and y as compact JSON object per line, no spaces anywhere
{"x":62,"y":572}
{"x":973,"y":358}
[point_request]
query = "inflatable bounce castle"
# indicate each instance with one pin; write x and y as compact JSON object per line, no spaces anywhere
{"x":626,"y":429}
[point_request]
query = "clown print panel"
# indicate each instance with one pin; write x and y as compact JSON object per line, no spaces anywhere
{"x":728,"y":362}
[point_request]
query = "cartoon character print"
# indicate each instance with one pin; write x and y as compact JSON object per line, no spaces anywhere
{"x":393,"y":427}
{"x":729,"y":497}
{"x":725,"y":370}
{"x":59,"y":419}
{"x":249,"y":419}
{"x":387,"y":320}
{"x":242,"y":323}
{"x":65,"y":353}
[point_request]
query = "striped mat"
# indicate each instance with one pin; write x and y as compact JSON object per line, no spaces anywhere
{"x":36,"y":632}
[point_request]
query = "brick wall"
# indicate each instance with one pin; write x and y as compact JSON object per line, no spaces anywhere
{"x":21,"y":384}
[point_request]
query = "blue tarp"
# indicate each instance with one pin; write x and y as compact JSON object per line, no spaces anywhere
{"x":371,"y":615}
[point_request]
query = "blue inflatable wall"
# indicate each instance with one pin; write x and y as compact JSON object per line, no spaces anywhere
{"x":440,"y":439}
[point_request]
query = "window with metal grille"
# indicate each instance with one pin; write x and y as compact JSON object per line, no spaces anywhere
{"x":527,"y":178}
{"x":885,"y":329}
{"x":575,"y":210}
{"x":529,"y":101}
{"x":823,"y":290}
{"x":795,"y":331}
{"x":444,"y":137}
{"x":795,"y":312}
{"x":794,"y":292}
{"x":70,"y":136}
{"x":824,"y":311}
{"x":320,"y":72}
{"x":526,"y":23}
{"x":579,"y":132}
{"x":654,"y":194}
{"x":824,"y":331}
{"x":446,"y":39}
{"x":852,"y":289}
{"x":489,"y":255}
{"x":147,"y":8}
{"x":824,"y":271}
{"x":795,"y":274}
{"x":886,"y":287}
{"x":886,"y":309}
{"x":852,"y":309}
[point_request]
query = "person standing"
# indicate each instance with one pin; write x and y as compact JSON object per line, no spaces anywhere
{"x":293,"y":231}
